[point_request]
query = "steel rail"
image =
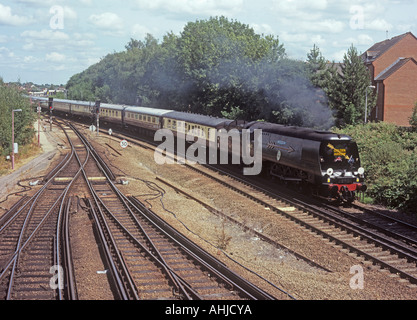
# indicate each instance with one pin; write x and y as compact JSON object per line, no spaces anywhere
{"x":189,"y":252}
{"x":176,"y":280}
{"x":19,"y":246}
{"x":118,"y":282}
{"x":125,"y":293}
{"x":211,"y":263}
{"x":410,"y":254}
{"x":13,"y":261}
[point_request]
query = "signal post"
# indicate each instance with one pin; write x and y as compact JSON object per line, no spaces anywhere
{"x":97,"y":107}
{"x":51,"y":108}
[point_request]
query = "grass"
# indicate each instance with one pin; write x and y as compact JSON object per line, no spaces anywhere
{"x":26,"y":152}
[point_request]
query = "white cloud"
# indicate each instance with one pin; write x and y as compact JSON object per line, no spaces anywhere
{"x":378,"y":25}
{"x":262,"y":28}
{"x":139,"y":31}
{"x":305,"y":10}
{"x":107,"y":21}
{"x":200,"y":7}
{"x":29,"y":46}
{"x":87,"y":2}
{"x":6,"y":52}
{"x":292,"y":6}
{"x":8,"y":18}
{"x":55,"y":57}
{"x":293,"y":37}
{"x":70,"y":13}
{"x":337,"y":56}
{"x":319,"y":26}
{"x":318,"y":40}
{"x":30,"y":59}
{"x":45,"y":34}
{"x":365,"y":39}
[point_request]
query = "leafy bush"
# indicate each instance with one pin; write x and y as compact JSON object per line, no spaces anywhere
{"x":413,"y":119}
{"x":389,"y":156}
{"x":11,"y":98}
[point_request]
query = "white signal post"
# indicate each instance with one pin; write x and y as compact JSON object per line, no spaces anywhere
{"x":13,"y":146}
{"x":110,"y":133}
{"x":39,"y":124}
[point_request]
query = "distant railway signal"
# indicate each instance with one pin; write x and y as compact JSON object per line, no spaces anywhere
{"x":98,"y":103}
{"x":51,"y":104}
{"x":51,"y":108}
{"x":98,"y":115}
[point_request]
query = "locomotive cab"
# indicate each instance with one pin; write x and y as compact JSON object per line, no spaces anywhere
{"x":341,"y":169}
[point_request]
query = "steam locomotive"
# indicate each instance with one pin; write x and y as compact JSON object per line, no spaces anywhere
{"x":323,"y":162}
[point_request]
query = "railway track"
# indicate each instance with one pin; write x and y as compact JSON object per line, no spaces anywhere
{"x":145,"y":258}
{"x":31,"y":236}
{"x":374,"y":238}
{"x":151,"y":260}
{"x":378,"y":239}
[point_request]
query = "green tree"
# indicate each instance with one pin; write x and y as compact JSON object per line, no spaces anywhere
{"x":413,"y":118}
{"x":11,"y":98}
{"x":348,"y":90}
{"x":317,"y":70}
{"x":389,"y":156}
{"x":217,"y":58}
{"x":216,"y":67}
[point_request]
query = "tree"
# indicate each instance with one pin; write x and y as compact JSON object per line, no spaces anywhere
{"x":218,"y":67}
{"x":348,"y":90}
{"x":317,"y":70}
{"x":11,"y":98}
{"x":413,"y":118}
{"x":217,"y":58}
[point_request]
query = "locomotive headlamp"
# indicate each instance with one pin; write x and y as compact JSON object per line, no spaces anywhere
{"x":329,"y":171}
{"x":361,"y":170}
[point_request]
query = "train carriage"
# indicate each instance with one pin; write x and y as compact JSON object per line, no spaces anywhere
{"x":146,"y":118}
{"x":112,"y":113}
{"x":194,"y":124}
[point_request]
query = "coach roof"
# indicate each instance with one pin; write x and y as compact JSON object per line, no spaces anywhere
{"x":148,"y":111}
{"x":208,"y":121}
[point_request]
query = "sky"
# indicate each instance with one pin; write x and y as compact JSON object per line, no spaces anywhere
{"x":48,"y":41}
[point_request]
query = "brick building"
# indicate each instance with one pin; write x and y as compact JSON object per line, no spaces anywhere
{"x":393,"y":66}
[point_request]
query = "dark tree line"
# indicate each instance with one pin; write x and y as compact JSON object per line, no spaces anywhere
{"x":223,"y":68}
